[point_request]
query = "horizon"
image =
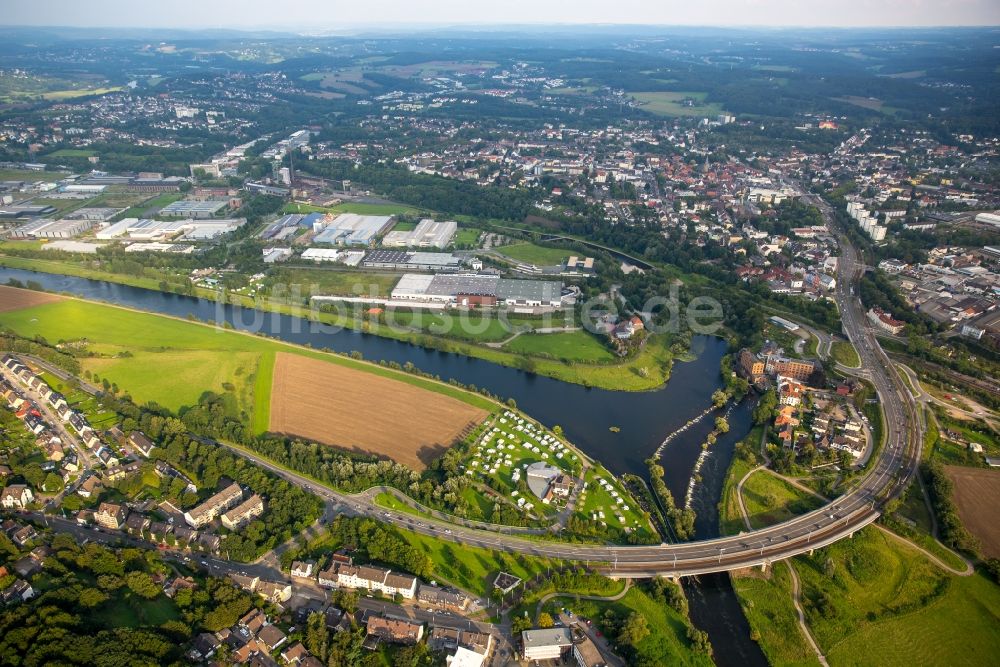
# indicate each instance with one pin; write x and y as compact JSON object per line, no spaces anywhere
{"x":313,"y":16}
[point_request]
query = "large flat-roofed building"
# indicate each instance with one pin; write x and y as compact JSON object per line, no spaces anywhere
{"x":204,"y":513}
{"x":349,"y":228}
{"x":95,"y":213}
{"x":402,"y":260}
{"x":187,"y":208}
{"x":25,"y":211}
{"x":161,"y":230}
{"x":427,"y":234}
{"x":547,"y":644}
{"x":52,"y":229}
{"x":473,"y":289}
{"x":530,"y":293}
{"x":345,"y":257}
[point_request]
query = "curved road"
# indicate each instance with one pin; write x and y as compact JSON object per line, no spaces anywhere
{"x":888,"y":476}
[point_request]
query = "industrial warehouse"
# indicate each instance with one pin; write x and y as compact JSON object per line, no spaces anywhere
{"x":427,"y":234}
{"x":469,"y":290}
{"x":348,"y":228}
{"x":162,"y":230}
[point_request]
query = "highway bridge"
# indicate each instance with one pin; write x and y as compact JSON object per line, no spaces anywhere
{"x":889,"y":474}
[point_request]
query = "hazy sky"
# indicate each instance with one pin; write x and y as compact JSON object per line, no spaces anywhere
{"x":318,"y":15}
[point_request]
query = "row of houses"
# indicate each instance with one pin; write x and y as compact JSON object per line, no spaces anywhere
{"x":59,"y":405}
{"x":230,"y":499}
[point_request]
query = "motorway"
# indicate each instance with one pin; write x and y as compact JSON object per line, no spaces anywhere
{"x":888,"y":476}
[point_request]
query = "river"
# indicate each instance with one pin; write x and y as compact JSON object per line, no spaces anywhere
{"x":643,"y":419}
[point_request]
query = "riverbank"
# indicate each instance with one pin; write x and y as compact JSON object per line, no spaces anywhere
{"x":649,"y":369}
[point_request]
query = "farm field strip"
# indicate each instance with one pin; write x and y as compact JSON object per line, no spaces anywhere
{"x":977,"y":495}
{"x":348,"y":408}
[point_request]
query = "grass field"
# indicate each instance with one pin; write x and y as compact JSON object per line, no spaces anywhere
{"x":887,"y":597}
{"x":844,"y":353}
{"x":684,"y":103}
{"x":31,"y":176}
{"x":571,"y":345}
{"x":977,"y":494}
{"x":770,"y":500}
{"x":309,"y":282}
{"x":348,"y":408}
{"x":767,"y":604}
{"x":72,"y":152}
{"x":529,"y":253}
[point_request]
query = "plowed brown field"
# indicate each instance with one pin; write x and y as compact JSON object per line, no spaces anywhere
{"x":977,"y":494}
{"x":13,"y":298}
{"x":363,"y":412}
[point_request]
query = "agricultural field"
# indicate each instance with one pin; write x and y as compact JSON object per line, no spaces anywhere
{"x":669,"y":103}
{"x":12,"y":299}
{"x":529,"y":253}
{"x":345,"y":407}
{"x":570,"y":345}
{"x":512,"y":443}
{"x":977,"y":495}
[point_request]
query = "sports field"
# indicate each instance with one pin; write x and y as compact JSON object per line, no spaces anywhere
{"x":977,"y":494}
{"x":359,"y":411}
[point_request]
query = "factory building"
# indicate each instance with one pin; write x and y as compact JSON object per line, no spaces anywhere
{"x":427,"y":234}
{"x":51,"y":229}
{"x":402,"y":260}
{"x":348,"y":228}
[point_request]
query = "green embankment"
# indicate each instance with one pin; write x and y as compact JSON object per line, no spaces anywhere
{"x":845,"y":354}
{"x":770,"y":500}
{"x":263,"y":378}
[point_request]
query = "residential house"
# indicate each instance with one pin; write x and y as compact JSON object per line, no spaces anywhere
{"x":303,"y":569}
{"x":272,"y":637}
{"x":111,"y":515}
{"x":141,"y":444}
{"x":394,"y":630}
{"x":16,"y":496}
{"x":442,"y":598}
